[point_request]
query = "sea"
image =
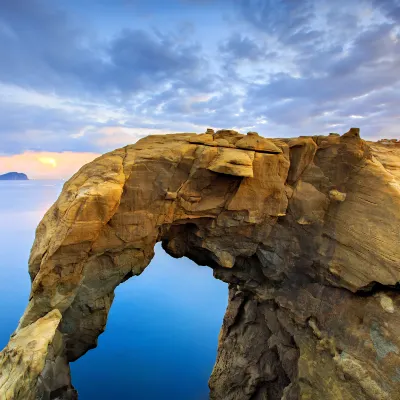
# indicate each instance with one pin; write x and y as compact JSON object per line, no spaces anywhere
{"x":162,"y":332}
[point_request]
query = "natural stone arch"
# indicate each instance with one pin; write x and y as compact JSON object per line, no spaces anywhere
{"x":282,"y":221}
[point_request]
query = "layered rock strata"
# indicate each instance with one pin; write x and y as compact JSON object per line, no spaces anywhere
{"x":305,"y":231}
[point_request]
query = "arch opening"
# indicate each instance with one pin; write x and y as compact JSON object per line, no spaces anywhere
{"x":161,"y":336}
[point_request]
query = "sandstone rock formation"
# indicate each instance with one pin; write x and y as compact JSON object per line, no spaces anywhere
{"x":305,"y":231}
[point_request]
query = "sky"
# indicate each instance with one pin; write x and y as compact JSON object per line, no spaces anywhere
{"x":81,"y":77}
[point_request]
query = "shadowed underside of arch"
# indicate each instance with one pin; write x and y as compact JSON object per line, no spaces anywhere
{"x":305,"y":231}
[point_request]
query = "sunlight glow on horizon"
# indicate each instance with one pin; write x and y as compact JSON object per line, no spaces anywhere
{"x":48,"y":160}
{"x":46,"y":165}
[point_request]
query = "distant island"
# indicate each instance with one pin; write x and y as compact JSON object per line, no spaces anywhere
{"x":13,"y":176}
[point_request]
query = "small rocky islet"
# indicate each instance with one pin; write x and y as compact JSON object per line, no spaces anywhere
{"x":13,"y":176}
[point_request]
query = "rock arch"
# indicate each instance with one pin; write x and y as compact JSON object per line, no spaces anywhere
{"x":305,"y":231}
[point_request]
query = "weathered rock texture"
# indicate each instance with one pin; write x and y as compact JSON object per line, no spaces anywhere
{"x":305,"y":231}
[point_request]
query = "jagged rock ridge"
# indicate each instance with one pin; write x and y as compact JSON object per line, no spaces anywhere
{"x":304,"y":230}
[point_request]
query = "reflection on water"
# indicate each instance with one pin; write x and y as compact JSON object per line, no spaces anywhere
{"x":161,"y":337}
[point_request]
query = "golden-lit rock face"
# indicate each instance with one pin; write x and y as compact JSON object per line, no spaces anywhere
{"x":305,"y":231}
{"x":33,"y":363}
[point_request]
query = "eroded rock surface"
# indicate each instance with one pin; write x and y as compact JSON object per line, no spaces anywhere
{"x":305,"y":231}
{"x":33,"y":365}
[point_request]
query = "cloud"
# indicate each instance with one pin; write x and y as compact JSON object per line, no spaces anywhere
{"x":41,"y":47}
{"x":69,"y":82}
{"x":58,"y":77}
{"x":37,"y":121}
{"x":391,"y":8}
{"x":281,"y":18}
{"x":139,"y":60}
{"x":240,"y":47}
{"x":337,"y":58}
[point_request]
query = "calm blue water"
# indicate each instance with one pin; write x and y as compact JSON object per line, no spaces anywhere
{"x":162,"y":331}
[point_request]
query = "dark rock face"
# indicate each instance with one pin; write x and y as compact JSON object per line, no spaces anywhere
{"x":305,"y":231}
{"x":13,"y":176}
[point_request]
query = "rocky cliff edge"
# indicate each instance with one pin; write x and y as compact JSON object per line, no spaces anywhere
{"x":305,"y":231}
